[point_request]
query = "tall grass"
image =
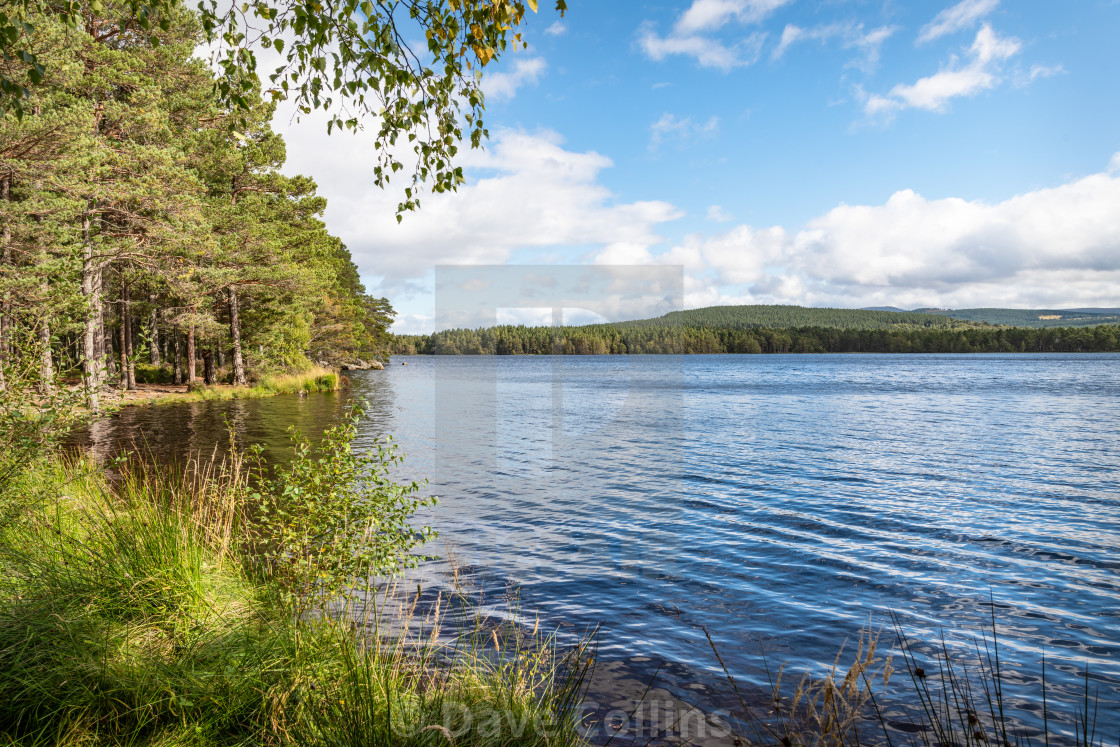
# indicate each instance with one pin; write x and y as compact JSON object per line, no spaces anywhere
{"x":946,"y":701}
{"x":132,"y":613}
{"x":492,"y":683}
{"x":314,"y":380}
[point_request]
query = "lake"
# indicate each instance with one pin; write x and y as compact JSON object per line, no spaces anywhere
{"x":781,"y":502}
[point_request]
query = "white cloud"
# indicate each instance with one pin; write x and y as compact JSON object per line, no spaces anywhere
{"x":869,"y":46}
{"x":504,"y":85}
{"x":691,"y":34}
{"x":960,"y":16}
{"x":852,"y":35}
{"x":680,"y":128}
{"x":556,"y":29}
{"x":709,"y":15}
{"x":1046,"y":71}
{"x":792,"y":34}
{"x":968,"y":253}
{"x":708,"y":51}
{"x":526,"y":191}
{"x":1054,"y":247}
{"x":717,"y":214}
{"x":934,"y":92}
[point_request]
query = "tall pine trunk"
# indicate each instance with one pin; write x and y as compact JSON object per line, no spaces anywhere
{"x":191,"y":378}
{"x":91,"y":289}
{"x":122,"y":342}
{"x":128,"y":365}
{"x":178,"y":357}
{"x":46,"y":363}
{"x":153,"y":332}
{"x":107,"y":346}
{"x":235,"y":333}
{"x":100,"y":333}
{"x":208,"y":374}
{"x":130,"y":338}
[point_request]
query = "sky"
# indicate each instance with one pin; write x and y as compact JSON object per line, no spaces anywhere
{"x":846,"y":153}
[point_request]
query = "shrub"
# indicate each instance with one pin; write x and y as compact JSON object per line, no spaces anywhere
{"x":332,"y":517}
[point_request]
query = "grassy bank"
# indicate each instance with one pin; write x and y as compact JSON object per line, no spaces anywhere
{"x":134,"y":613}
{"x":314,"y":380}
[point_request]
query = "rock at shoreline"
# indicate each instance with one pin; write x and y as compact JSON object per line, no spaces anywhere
{"x":361,"y":365}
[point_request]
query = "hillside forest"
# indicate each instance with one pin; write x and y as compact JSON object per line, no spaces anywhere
{"x":149,"y":231}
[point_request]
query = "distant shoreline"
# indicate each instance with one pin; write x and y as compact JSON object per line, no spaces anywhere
{"x":620,"y":339}
{"x":686,"y":355}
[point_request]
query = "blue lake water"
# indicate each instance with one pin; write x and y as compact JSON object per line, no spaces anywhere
{"x":781,"y":502}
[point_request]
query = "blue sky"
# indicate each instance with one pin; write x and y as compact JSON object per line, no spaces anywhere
{"x":845,"y":152}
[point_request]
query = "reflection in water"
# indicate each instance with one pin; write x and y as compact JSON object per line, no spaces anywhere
{"x":780,"y":501}
{"x":170,"y":432}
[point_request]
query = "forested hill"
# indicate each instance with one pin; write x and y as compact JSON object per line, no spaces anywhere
{"x":786,"y":317}
{"x":1036,"y":318}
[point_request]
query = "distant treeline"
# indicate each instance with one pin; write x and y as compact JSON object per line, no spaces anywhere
{"x":784,"y":317}
{"x":637,"y":339}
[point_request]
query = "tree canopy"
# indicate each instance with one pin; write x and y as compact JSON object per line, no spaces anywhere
{"x":350,"y":58}
{"x":142,"y":235}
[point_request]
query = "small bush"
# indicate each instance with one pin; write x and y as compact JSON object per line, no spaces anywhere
{"x":148,"y":374}
{"x":332,"y":517}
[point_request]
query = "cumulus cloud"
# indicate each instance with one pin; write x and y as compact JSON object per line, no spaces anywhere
{"x":708,"y":15}
{"x":504,"y":85}
{"x":526,"y":191}
{"x":966,"y":253}
{"x":956,"y":18}
{"x":692,"y":33}
{"x":683,"y":129}
{"x":708,"y":51}
{"x":979,"y":73}
{"x":1051,"y":247}
{"x":1055,"y":247}
{"x":852,"y":36}
{"x":556,"y":29}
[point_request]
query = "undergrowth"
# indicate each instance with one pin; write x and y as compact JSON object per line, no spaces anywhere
{"x":134,"y":611}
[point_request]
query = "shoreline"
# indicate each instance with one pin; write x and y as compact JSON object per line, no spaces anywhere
{"x":317,"y":379}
